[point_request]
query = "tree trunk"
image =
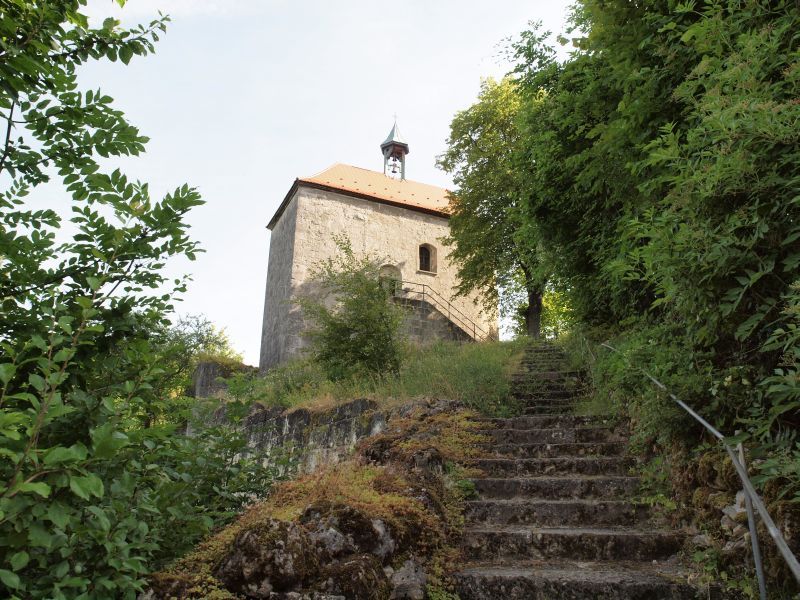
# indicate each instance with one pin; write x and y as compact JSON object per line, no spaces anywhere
{"x":533,"y":314}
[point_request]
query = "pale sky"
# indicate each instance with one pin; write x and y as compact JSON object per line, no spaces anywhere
{"x":242,"y":96}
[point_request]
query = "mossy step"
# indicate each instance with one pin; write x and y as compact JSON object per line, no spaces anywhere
{"x":582,"y":465}
{"x":547,"y":450}
{"x":579,"y":543}
{"x":544,"y":377}
{"x":562,"y":513}
{"x":577,"y":486}
{"x":551,"y":374}
{"x":548,"y":400}
{"x":534,"y":580}
{"x":553,"y":435}
{"x":544,"y":394}
{"x":543,"y":421}
{"x":566,"y":408}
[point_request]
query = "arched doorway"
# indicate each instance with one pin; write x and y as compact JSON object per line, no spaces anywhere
{"x":391,"y":278}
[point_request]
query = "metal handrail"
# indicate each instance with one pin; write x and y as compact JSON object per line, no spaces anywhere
{"x":752,"y":499}
{"x":432,"y":292}
{"x":454,"y":315}
{"x":469,"y":327}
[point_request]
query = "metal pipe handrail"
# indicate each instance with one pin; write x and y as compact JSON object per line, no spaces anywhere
{"x":747,"y":485}
{"x":445,"y":301}
{"x":453,"y":314}
{"x":468,"y":327}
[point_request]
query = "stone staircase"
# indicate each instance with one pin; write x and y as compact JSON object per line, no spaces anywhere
{"x":554,"y":517}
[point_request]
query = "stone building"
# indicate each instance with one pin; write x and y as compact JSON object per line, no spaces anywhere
{"x":401,"y":221}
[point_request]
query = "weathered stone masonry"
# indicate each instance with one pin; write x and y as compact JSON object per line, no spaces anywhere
{"x":303,"y":235}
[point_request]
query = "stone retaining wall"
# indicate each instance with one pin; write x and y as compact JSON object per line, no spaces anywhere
{"x":310,"y":437}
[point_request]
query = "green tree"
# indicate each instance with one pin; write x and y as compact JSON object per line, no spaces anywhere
{"x":91,"y":498}
{"x":179,"y":347}
{"x":662,"y":168}
{"x":357,"y":323}
{"x":493,"y":254}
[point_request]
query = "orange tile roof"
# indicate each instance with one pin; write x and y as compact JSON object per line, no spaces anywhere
{"x":372,"y":185}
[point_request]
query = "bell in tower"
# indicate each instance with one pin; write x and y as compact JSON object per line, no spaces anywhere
{"x":394,"y":150}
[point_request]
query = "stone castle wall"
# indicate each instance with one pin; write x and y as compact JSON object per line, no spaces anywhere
{"x":389,"y":232}
{"x":278,"y":311}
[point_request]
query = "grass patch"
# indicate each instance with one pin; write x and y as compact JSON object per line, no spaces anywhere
{"x":478,"y":375}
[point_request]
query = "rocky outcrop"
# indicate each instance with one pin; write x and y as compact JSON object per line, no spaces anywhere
{"x":368,"y":528}
{"x":208,"y":375}
{"x":335,"y":548}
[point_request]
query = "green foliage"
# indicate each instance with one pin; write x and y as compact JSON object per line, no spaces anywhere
{"x":658,"y":176}
{"x":476,"y":374}
{"x":181,"y":346}
{"x":489,"y":240}
{"x":662,"y":178}
{"x":437,"y":593}
{"x":357,"y":324}
{"x":97,"y":483}
{"x":557,"y":314}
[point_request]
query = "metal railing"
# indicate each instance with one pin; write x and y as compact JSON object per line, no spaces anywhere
{"x":751,"y":497}
{"x":413,"y":290}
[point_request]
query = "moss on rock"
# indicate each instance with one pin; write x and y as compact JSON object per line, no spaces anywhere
{"x":334,"y":531}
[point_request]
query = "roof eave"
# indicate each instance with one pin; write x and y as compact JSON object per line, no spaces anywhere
{"x":321,"y":186}
{"x":274,"y":220}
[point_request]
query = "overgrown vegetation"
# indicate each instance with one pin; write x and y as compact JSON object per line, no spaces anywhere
{"x":490,"y":241}
{"x":402,"y":481}
{"x":356,"y":326}
{"x":660,"y":169}
{"x":97,"y":486}
{"x":475,"y":374}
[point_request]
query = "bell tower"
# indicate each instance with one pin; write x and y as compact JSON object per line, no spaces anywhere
{"x":394,"y":149}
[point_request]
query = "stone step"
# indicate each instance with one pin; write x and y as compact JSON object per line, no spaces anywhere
{"x":552,"y":435}
{"x":546,"y":375}
{"x":538,"y":376}
{"x":544,"y":395}
{"x":611,"y":543}
{"x":548,"y":402}
{"x":563,"y":513}
{"x":542,"y":389}
{"x":526,"y":369}
{"x":544,"y":421}
{"x":550,"y":409}
{"x":550,"y":374}
{"x":544,"y":450}
{"x":537,"y":580}
{"x":585,"y":487}
{"x":562,"y":465}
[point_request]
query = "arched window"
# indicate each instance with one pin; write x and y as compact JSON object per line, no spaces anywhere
{"x":427,"y":258}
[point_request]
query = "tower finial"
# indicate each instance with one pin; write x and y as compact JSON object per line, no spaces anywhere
{"x":394,"y":149}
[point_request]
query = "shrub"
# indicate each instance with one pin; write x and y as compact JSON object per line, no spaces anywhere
{"x":357,"y":325}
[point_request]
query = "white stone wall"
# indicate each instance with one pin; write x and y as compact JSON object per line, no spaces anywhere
{"x":390,"y":232}
{"x":279,"y":313}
